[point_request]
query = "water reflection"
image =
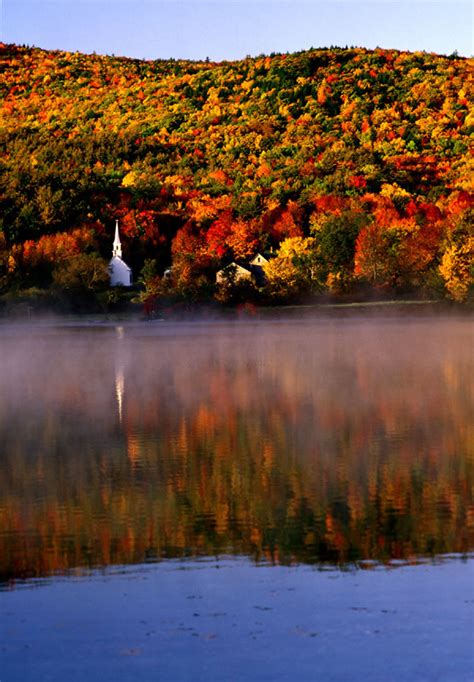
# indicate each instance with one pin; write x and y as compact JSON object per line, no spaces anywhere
{"x":337,"y":440}
{"x":119,"y":372}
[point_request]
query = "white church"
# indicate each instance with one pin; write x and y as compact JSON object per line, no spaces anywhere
{"x":120,"y":273}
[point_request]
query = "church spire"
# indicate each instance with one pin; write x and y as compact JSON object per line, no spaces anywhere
{"x":117,"y":249}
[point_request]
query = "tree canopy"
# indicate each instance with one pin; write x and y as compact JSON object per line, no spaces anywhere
{"x":203,"y":163}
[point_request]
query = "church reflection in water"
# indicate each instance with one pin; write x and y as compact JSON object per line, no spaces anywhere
{"x":336,"y":443}
{"x":119,"y":373}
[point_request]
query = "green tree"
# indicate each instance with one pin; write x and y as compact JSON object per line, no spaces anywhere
{"x":336,"y":237}
{"x":82,"y":274}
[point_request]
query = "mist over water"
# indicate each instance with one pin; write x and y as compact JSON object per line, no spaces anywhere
{"x":324,"y":440}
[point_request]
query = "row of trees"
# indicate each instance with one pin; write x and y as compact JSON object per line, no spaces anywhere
{"x":346,"y":247}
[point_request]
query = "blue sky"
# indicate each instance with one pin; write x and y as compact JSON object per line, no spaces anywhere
{"x":227,"y":29}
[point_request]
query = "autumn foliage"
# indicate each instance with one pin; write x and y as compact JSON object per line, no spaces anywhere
{"x":205,"y":163}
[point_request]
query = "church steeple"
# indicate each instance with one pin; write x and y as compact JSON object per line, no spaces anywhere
{"x":120,"y":273}
{"x":117,"y":248}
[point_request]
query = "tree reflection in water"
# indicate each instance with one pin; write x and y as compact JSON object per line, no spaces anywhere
{"x":310,"y":441}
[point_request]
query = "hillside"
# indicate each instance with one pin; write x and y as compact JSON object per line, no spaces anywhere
{"x":352,"y":166}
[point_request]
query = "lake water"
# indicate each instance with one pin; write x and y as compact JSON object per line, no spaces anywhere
{"x":248,"y":500}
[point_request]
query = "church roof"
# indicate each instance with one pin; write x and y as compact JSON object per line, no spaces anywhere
{"x":120,"y":260}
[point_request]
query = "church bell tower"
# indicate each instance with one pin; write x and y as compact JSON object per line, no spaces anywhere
{"x":117,"y":248}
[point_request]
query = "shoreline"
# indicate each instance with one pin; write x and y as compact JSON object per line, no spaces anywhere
{"x":211,"y":313}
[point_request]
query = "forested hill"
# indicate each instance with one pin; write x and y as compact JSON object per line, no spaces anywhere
{"x":360,"y":158}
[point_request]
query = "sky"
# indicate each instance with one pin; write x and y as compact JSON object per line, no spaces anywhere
{"x":233,"y":29}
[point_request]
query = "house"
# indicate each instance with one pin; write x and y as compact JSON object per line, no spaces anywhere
{"x":120,"y":273}
{"x":259,"y":260}
{"x":234,"y":272}
{"x":256,"y":266}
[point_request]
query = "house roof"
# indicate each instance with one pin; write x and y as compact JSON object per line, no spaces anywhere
{"x":234,"y":265}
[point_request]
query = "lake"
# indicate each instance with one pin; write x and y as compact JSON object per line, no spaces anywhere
{"x":238,"y":500}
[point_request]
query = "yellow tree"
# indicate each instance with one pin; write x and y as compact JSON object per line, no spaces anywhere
{"x":457,"y":268}
{"x":7,"y":263}
{"x":292,"y":271}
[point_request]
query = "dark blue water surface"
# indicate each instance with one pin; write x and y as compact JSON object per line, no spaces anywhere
{"x":227,"y":620}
